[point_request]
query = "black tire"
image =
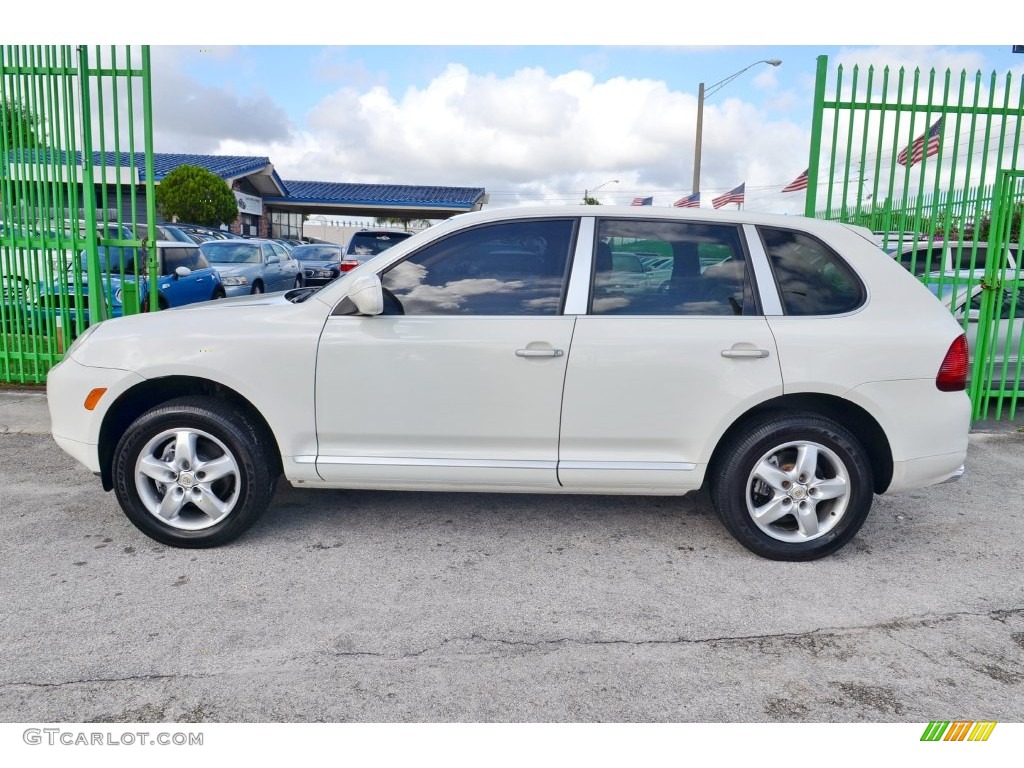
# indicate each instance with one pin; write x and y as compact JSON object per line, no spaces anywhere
{"x":170,"y":509}
{"x":257,"y":287}
{"x":298,"y":282}
{"x":806,"y":512}
{"x":218,"y":293}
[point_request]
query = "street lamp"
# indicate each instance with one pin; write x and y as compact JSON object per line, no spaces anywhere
{"x":711,"y":91}
{"x":586,"y":193}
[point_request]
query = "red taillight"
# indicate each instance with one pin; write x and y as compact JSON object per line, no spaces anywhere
{"x":349,"y":264}
{"x":952,"y":375}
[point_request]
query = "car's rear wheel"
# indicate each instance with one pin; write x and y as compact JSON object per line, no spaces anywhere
{"x":219,"y":293}
{"x":793,"y":487}
{"x":194,"y":472}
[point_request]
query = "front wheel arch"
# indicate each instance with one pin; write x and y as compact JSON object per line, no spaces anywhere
{"x":194,"y":472}
{"x":152,"y":393}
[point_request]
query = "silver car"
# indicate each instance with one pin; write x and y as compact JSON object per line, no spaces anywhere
{"x":252,"y":266}
{"x":964,"y":300}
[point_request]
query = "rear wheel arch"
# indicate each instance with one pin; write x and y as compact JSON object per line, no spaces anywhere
{"x":152,"y":393}
{"x":850,"y":415}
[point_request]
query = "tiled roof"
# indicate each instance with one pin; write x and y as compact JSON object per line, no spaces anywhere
{"x":225,"y":166}
{"x":380,"y":194}
{"x":235,"y":166}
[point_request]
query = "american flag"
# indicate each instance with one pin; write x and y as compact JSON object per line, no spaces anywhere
{"x":800,"y":182}
{"x":734,"y":195}
{"x":690,"y":201}
{"x":917,"y":150}
{"x":643,"y":201}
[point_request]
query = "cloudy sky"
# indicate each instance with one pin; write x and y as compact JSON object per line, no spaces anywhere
{"x":411,"y":97}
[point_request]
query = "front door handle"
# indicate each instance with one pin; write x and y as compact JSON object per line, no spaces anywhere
{"x":539,"y":353}
{"x":744,"y":353}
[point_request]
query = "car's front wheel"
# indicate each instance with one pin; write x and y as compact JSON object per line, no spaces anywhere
{"x":194,"y":472}
{"x":793,"y":486}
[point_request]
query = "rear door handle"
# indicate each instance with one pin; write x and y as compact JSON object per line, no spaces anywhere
{"x":744,"y":353}
{"x":539,"y":353}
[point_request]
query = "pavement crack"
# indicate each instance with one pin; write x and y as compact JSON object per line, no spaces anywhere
{"x":89,"y":680}
{"x":890,"y":627}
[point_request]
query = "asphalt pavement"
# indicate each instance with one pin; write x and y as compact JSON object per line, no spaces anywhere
{"x":371,"y":606}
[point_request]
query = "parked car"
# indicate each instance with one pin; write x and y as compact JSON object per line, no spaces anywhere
{"x":323,"y":262}
{"x":922,"y":257}
{"x":369,"y":242}
{"x":963,"y":299}
{"x":201,"y":234}
{"x":183,"y":277}
{"x":772,"y":376}
{"x":252,"y":266}
{"x":167,"y":232}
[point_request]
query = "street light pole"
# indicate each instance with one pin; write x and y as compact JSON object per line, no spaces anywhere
{"x":586,"y":193}
{"x":703,"y":93}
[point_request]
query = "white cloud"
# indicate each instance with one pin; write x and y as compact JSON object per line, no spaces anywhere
{"x":189,"y":116}
{"x":538,"y":137}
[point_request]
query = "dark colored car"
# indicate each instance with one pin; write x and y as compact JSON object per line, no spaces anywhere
{"x":369,"y":242}
{"x":323,"y":262}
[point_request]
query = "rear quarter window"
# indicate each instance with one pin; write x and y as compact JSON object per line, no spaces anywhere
{"x":811,"y":277}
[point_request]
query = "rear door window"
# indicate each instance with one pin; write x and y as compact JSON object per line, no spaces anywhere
{"x":651,"y":267}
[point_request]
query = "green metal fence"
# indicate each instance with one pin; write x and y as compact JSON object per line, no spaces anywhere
{"x":932,"y":163}
{"x":72,"y":184}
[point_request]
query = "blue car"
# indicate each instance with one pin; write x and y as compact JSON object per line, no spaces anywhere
{"x":253,"y":266}
{"x":183,"y":277}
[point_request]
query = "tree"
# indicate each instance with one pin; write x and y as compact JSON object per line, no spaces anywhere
{"x":21,"y":127}
{"x":588,"y":200}
{"x":195,"y":195}
{"x":382,"y":221}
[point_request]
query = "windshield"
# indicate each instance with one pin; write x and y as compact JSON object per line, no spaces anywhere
{"x":232,"y":252}
{"x":317,"y":253}
{"x":116,"y":260}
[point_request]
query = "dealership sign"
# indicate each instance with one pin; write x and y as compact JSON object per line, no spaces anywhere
{"x":249,"y":204}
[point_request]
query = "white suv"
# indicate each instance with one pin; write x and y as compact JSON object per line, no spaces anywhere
{"x":786,"y":363}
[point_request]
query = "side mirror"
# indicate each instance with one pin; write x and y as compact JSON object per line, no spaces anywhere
{"x":182,"y":272}
{"x":367,"y":294}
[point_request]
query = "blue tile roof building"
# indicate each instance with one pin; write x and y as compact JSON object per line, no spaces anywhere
{"x":412,"y":201}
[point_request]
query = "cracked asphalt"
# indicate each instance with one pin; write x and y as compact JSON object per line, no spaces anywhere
{"x":392,"y":607}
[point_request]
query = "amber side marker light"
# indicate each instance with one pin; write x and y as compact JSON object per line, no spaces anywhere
{"x":94,"y":397}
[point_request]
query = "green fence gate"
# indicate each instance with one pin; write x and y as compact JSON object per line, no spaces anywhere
{"x":932,"y":164}
{"x":73,"y":191}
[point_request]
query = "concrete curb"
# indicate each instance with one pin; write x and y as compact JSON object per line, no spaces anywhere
{"x":24,"y":413}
